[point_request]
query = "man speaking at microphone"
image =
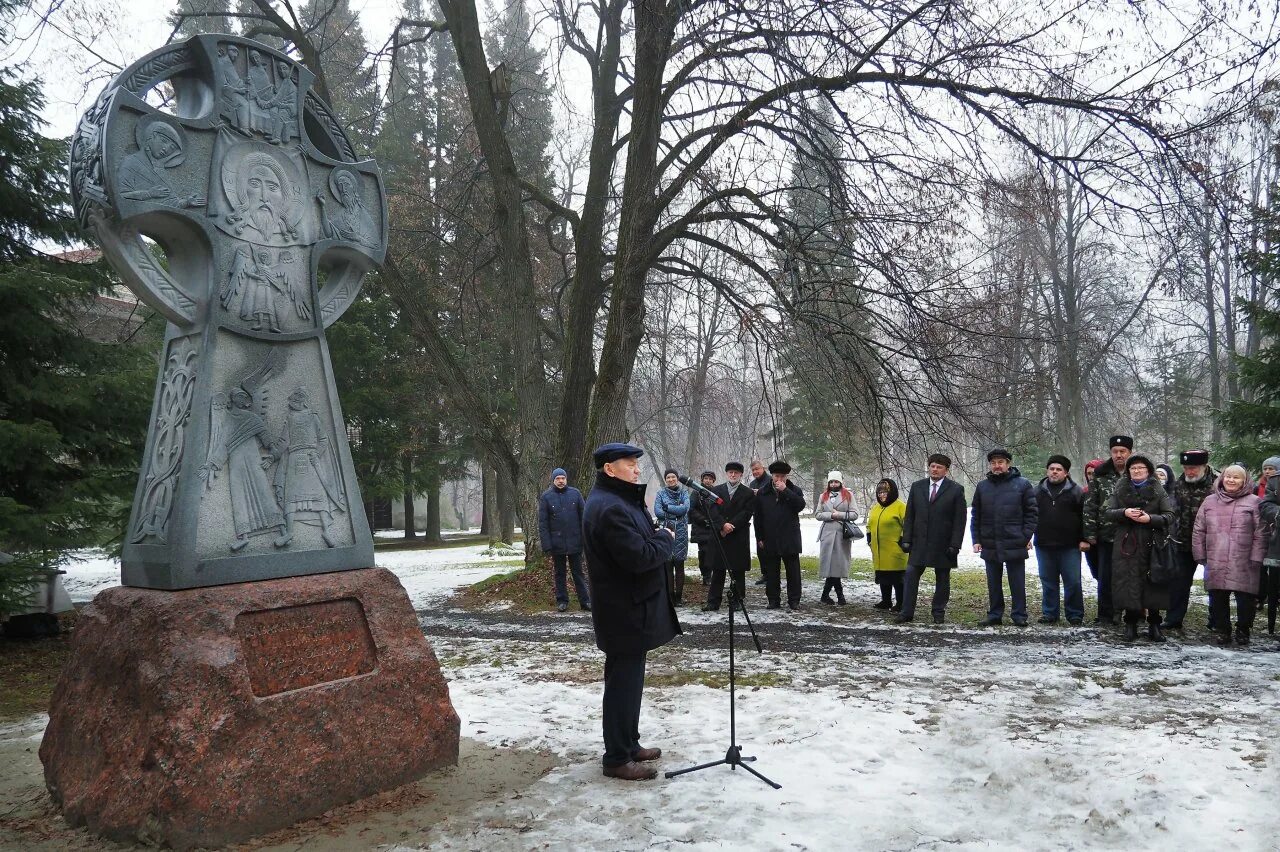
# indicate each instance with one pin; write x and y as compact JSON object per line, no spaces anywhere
{"x":631,"y":607}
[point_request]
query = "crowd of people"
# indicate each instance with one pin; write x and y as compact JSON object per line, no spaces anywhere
{"x":1141,"y":529}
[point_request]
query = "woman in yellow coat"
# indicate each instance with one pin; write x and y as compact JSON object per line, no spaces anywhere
{"x":884,"y":528}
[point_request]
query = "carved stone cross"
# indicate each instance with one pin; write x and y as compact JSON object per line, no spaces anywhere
{"x":216,"y":151}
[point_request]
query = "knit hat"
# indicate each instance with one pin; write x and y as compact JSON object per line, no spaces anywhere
{"x":836,"y":475}
{"x":1137,"y":459}
{"x":1272,"y":461}
{"x":670,"y":470}
{"x":558,"y":472}
{"x":939,"y":458}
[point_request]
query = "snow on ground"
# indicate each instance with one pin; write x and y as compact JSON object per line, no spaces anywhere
{"x":919,"y":738}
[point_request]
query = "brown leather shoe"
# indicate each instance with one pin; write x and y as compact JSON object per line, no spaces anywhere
{"x":631,"y":771}
{"x":647,"y":754}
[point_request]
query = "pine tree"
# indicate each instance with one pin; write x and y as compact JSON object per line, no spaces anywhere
{"x":209,"y":16}
{"x":73,"y":411}
{"x":1252,"y":422}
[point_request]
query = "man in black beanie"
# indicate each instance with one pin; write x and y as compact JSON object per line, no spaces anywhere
{"x":1058,"y":534}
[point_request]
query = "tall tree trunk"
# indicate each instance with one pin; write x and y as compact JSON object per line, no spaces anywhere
{"x":490,"y":522}
{"x":432,"y":532}
{"x":507,"y":498}
{"x":406,"y":469}
{"x":654,"y":21}
{"x":587,"y":286}
{"x":1211,"y":315}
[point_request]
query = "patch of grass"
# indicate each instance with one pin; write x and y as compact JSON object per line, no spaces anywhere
{"x":527,"y":590}
{"x":29,"y":668}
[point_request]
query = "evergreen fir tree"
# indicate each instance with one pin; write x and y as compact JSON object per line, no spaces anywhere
{"x":73,"y":411}
{"x":1252,"y":422}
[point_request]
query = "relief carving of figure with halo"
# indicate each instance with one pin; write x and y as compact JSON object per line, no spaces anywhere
{"x":142,"y":177}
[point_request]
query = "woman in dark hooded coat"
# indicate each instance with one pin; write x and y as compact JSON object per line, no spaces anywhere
{"x":1143,"y":516}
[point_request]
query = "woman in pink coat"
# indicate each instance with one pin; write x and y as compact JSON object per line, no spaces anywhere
{"x":1230,"y":540}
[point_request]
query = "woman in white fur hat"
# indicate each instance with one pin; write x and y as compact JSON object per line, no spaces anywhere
{"x":836,"y":505}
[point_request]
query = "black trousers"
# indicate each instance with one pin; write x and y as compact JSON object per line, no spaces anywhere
{"x":888,"y":587}
{"x":706,"y":560}
{"x":1106,"y":609}
{"x":738,"y":573}
{"x":623,"y":689}
{"x":911,"y":590}
{"x":771,"y":564}
{"x":676,"y":577}
{"x":1180,"y":590}
{"x":1220,"y":605}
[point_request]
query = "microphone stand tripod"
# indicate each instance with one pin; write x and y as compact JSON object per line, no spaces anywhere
{"x":733,"y":758}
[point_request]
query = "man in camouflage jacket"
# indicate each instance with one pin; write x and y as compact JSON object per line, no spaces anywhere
{"x":1099,"y":531}
{"x":1188,"y":492}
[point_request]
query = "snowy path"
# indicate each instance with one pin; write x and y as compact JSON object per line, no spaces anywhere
{"x":882,"y":737}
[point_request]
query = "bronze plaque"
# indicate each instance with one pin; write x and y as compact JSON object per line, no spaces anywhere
{"x":299,"y":646}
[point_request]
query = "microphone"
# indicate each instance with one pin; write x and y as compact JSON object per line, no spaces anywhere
{"x":701,"y":489}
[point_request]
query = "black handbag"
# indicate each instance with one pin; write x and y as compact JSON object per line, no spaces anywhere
{"x":850,"y":530}
{"x":1164,"y":565}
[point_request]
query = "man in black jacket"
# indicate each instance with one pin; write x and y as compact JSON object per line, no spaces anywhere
{"x":1059,"y":531}
{"x":932,"y":532}
{"x":700,"y":532}
{"x":777,"y":517}
{"x":732,"y":521}
{"x":1004,"y":520}
{"x":632,"y":610}
{"x":1187,"y":492}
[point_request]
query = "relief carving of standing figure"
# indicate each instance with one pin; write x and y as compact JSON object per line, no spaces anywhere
{"x":237,"y":442}
{"x":307,"y":480}
{"x":285,"y":106}
{"x":142,"y":172}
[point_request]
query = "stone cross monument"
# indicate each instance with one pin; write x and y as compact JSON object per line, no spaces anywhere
{"x":255,"y":668}
{"x":217,"y":151}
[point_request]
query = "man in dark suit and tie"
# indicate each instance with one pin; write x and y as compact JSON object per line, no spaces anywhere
{"x":932,"y":532}
{"x":731,"y":521}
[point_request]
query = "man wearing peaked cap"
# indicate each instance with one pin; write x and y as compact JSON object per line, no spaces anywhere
{"x":732,"y":522}
{"x":1188,"y":491}
{"x":1005,"y":514}
{"x":632,"y":609}
{"x":1099,"y":530}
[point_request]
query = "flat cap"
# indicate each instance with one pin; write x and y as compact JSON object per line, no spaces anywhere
{"x":612,"y":452}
